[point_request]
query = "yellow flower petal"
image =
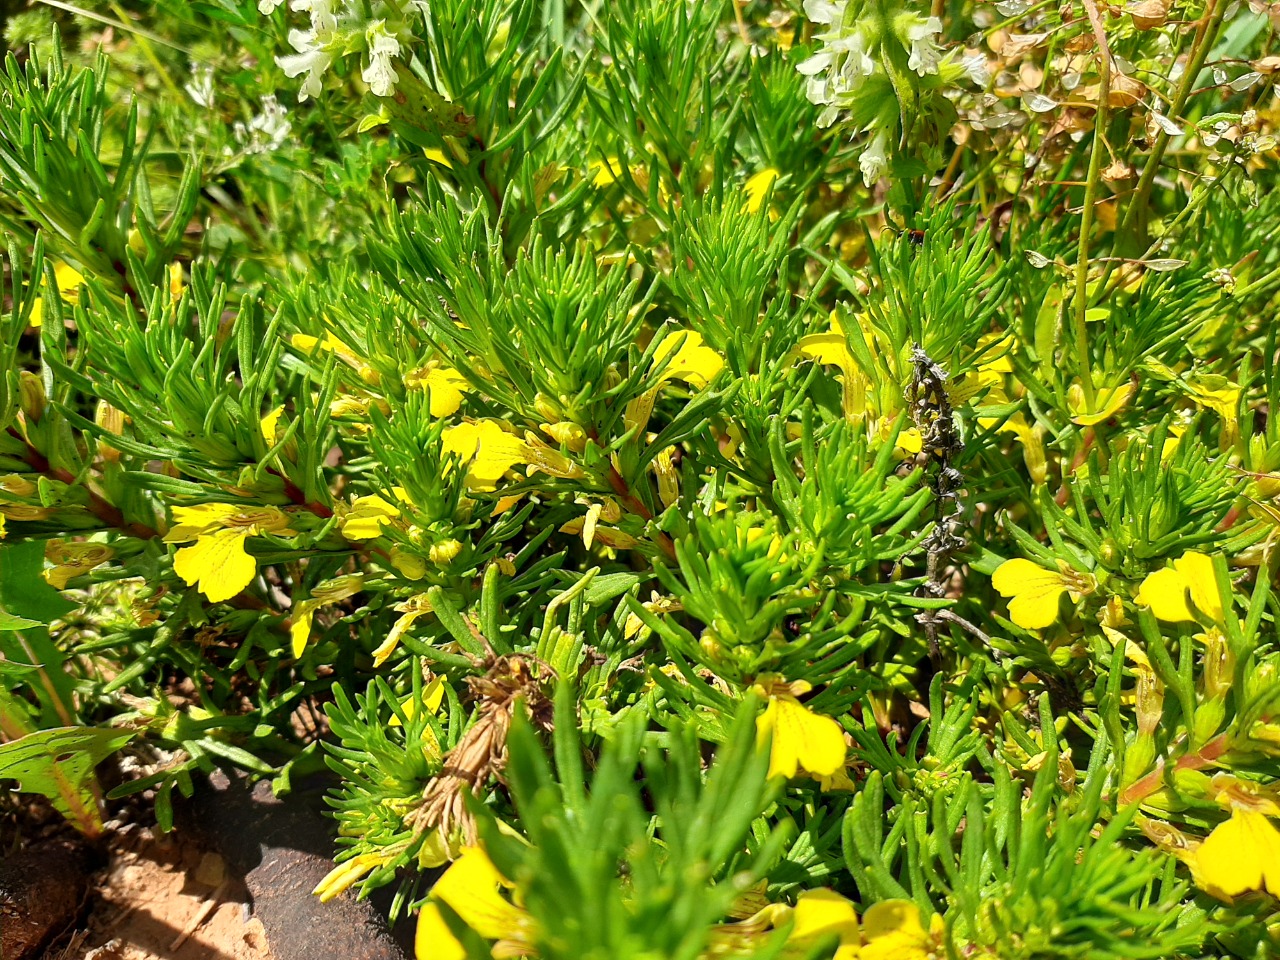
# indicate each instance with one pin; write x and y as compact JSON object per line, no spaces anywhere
{"x":1165,"y":592}
{"x":444,"y":386}
{"x":909,"y":441}
{"x":604,"y":172}
{"x":367,"y":515}
{"x":756,"y":188}
{"x":1197,"y":570}
{"x":800,"y":739}
{"x":893,"y":931}
{"x":268,"y":425}
{"x":300,"y":628}
{"x":1215,"y":392}
{"x":68,"y":279}
{"x":411,"y":609}
{"x":1240,"y":855}
{"x":345,"y":874}
{"x":410,"y":565}
{"x":691,"y":360}
{"x":217,"y":564}
{"x":470,"y":888}
{"x":193,"y":522}
{"x":73,"y":559}
{"x":177,"y":286}
{"x":305,"y":343}
{"x":822,"y":913}
{"x":488,"y":450}
{"x":1035,"y":592}
{"x":1107,"y":402}
{"x":433,"y":940}
{"x":432,"y":698}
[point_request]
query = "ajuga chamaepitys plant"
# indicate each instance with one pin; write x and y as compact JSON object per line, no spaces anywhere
{"x":723,"y":479}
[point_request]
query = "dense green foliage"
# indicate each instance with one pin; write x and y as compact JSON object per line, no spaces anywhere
{"x":513,"y":404}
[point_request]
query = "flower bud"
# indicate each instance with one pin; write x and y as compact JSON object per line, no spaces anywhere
{"x":1149,"y":696}
{"x":31,"y":395}
{"x":441,"y":553}
{"x":111,"y":420}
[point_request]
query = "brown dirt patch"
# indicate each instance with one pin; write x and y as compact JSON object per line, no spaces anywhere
{"x":163,"y":898}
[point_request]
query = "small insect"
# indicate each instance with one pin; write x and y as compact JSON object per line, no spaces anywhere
{"x":916,"y":237}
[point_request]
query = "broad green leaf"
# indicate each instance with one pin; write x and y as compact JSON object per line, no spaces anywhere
{"x":23,"y":591}
{"x":59,"y":764}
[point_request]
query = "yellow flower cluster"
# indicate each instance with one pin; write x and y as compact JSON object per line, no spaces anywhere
{"x":472,"y":889}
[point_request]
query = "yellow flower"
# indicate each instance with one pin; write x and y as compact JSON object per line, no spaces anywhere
{"x":606,"y":171}
{"x":1240,"y":855}
{"x":470,"y":887}
{"x":68,"y":279}
{"x":798,"y":738}
{"x":2,"y":530}
{"x":1036,"y":591}
{"x":1107,"y":402}
{"x":486,"y":449}
{"x":830,"y":349}
{"x":217,"y":563}
{"x":432,"y":698}
{"x":570,"y":434}
{"x":177,"y":285}
{"x":668,"y":477}
{"x":433,"y":939}
{"x":305,"y":343}
{"x":892,"y":931}
{"x":1215,"y":392}
{"x":691,"y":360}
{"x":408,"y":564}
{"x":331,"y":591}
{"x":757,"y":187}
{"x":1031,"y":439}
{"x":72,"y":559}
{"x":1165,"y":591}
{"x":367,"y":515}
{"x":349,"y":872}
{"x":410,"y":610}
{"x":445,"y":388}
{"x":268,"y":425}
{"x":823,"y":913}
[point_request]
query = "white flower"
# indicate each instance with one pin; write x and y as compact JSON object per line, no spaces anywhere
{"x":324,"y":22}
{"x":313,"y":57}
{"x":976,"y":68}
{"x":267,"y":130}
{"x":200,"y":89}
{"x":874,"y":160}
{"x":836,"y":72}
{"x":267,"y":7}
{"x":309,"y":59}
{"x":918,"y":33}
{"x":380,"y":75}
{"x":824,"y":11}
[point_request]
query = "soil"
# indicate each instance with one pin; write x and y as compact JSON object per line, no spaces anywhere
{"x":139,"y":894}
{"x":163,"y":898}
